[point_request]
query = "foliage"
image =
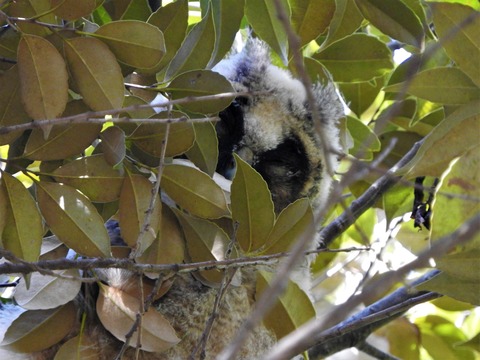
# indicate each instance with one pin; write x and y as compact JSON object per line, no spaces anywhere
{"x":80,"y":143}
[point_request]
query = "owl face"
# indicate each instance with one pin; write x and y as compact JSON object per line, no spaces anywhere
{"x":273,"y":130}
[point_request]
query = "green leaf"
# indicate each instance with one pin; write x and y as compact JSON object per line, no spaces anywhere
{"x":11,"y":107}
{"x":113,"y":145}
{"x":204,"y":152}
{"x":172,"y":20}
{"x":293,"y":309}
{"x":357,"y":57}
{"x":444,"y":85}
{"x":462,"y":289}
{"x":310,"y":18}
{"x":73,"y":9}
{"x":96,"y":73}
{"x":43,"y":78}
{"x":22,"y":224}
{"x":346,"y":20}
{"x":93,"y":176}
{"x":252,"y":207}
{"x":459,"y":130}
{"x":201,"y":83}
{"x":63,"y":141}
{"x":194,"y":191}
{"x":205,"y":241}
{"x":362,"y":135}
{"x":37,"y":330}
{"x":32,"y":9}
{"x":134,"y":202}
{"x":128,"y":9}
{"x":196,"y":51}
{"x":134,"y":43}
{"x":148,"y":137}
{"x":74,"y":220}
{"x":394,"y":19}
{"x":262,"y":16}
{"x":360,"y":95}
{"x":292,"y":222}
{"x":462,"y":46}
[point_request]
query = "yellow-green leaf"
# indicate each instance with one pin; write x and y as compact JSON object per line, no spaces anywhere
{"x":346,"y":20}
{"x":96,"y":73}
{"x":310,"y":18}
{"x":135,"y":43}
{"x":262,"y":16}
{"x":63,"y":141}
{"x":32,"y":9}
{"x":395,"y":19}
{"x":252,"y":207}
{"x":73,"y":218}
{"x":43,"y":78}
{"x":22,"y":224}
{"x":201,"y":83}
{"x":357,"y":57}
{"x":117,"y":311}
{"x":293,"y":309}
{"x":291,"y":223}
{"x":464,"y":45}
{"x":361,"y":135}
{"x":194,"y":191}
{"x":444,"y":85}
{"x":134,"y":202}
{"x":73,"y":9}
{"x":36,"y":330}
{"x":204,"y":152}
{"x":93,"y":176}
{"x":11,"y":107}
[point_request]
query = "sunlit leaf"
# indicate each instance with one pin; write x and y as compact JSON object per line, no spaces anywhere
{"x":364,"y":139}
{"x":403,"y":338}
{"x":72,"y":217}
{"x":360,"y":95}
{"x":201,"y":83}
{"x":117,"y":311}
{"x":346,"y":19}
{"x":22,"y":225}
{"x":96,"y":73}
{"x":252,"y":207}
{"x":194,"y":191}
{"x":36,"y":330}
{"x":293,"y":309}
{"x":93,"y":176}
{"x":310,"y":18}
{"x":135,"y":43}
{"x":262,"y":16}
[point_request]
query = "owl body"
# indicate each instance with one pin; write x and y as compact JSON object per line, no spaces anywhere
{"x":271,"y":127}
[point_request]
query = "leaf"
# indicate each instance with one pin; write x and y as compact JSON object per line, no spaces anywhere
{"x":134,"y":43}
{"x":394,"y":19}
{"x":82,"y":346}
{"x":128,"y":9}
{"x":43,"y":78}
{"x":172,"y":20}
{"x":196,"y":50}
{"x":36,"y":330}
{"x":32,"y":9}
{"x":293,"y":309}
{"x":194,"y":191}
{"x":113,"y":145}
{"x":346,"y":20}
{"x":201,"y":83}
{"x":444,"y":85}
{"x":63,"y":141}
{"x":360,"y":95}
{"x":75,"y":221}
{"x":149,"y":137}
{"x":403,"y":338}
{"x":464,"y":45}
{"x":134,"y":202}
{"x":310,"y":18}
{"x":93,"y":176}
{"x":11,"y":107}
{"x":252,"y":207}
{"x":204,"y":152}
{"x":291,"y":223}
{"x":73,"y":9}
{"x":364,"y":139}
{"x":117,"y":311}
{"x":22,"y":225}
{"x":47,"y":292}
{"x":227,"y":16}
{"x":357,"y":57}
{"x":459,"y":130}
{"x":262,"y":17}
{"x":205,"y":241}
{"x":96,"y":73}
